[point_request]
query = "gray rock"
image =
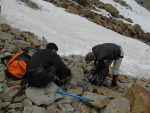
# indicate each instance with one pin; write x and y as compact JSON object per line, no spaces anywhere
{"x":15,"y":31}
{"x":65,"y":107}
{"x":2,"y":67}
{"x":1,"y":88}
{"x":43,"y":96}
{"x":2,"y":76}
{"x":1,"y":44}
{"x":9,"y":93}
{"x":27,"y":106}
{"x":27,"y":109}
{"x":21,"y":43}
{"x":15,"y":106}
{"x":30,"y":38}
{"x":117,"y":105}
{"x":83,"y":108}
{"x":38,"y":109}
{"x":18,"y":99}
{"x":5,"y":36}
{"x":4,"y":104}
{"x":12,"y":48}
{"x":69,"y":107}
{"x":77,"y":72}
{"x":99,"y":101}
{"x":27,"y":102}
{"x":5,"y":27}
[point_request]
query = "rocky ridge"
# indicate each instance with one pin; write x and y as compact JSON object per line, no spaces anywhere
{"x":132,"y":95}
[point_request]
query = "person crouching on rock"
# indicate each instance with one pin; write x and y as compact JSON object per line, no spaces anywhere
{"x":103,"y":55}
{"x":46,"y":66}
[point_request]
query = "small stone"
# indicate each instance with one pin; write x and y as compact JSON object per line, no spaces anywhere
{"x":38,"y":109}
{"x":2,"y":76}
{"x":2,"y":67}
{"x":4,"y":104}
{"x":78,"y":73}
{"x":5,"y":36}
{"x":5,"y":27}
{"x":99,"y":100}
{"x":15,"y":106}
{"x":18,"y":99}
{"x":83,"y":108}
{"x":51,"y":109}
{"x":27,"y":102}
{"x":69,"y":107}
{"x":1,"y":88}
{"x":27,"y":109}
{"x":21,"y":43}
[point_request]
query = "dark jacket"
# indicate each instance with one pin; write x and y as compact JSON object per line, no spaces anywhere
{"x":107,"y":51}
{"x":45,"y":57}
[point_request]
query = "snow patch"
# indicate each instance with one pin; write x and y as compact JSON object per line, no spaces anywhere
{"x":138,"y":14}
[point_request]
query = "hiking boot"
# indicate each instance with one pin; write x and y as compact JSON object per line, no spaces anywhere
{"x":114,"y":81}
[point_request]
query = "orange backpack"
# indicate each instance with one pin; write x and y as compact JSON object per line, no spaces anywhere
{"x":16,"y":66}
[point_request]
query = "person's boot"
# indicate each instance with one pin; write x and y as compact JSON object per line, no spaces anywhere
{"x":114,"y":81}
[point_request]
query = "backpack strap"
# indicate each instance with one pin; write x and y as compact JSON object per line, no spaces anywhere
{"x":14,"y":58}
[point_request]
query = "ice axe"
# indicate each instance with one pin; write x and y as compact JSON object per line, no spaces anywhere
{"x":61,"y":91}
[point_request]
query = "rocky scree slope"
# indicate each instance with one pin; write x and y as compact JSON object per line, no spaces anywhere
{"x":129,"y":97}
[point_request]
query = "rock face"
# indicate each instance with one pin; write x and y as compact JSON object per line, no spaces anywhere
{"x":139,"y":98}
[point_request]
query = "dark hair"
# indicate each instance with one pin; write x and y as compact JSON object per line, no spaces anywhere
{"x":90,"y":56}
{"x":52,"y":46}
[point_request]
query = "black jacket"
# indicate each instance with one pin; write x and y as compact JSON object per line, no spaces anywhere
{"x":45,"y":57}
{"x":107,"y":51}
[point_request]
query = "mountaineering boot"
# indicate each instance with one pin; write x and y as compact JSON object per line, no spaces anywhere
{"x":114,"y":81}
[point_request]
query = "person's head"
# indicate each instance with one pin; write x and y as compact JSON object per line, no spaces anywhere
{"x":52,"y":47}
{"x":90,"y":57}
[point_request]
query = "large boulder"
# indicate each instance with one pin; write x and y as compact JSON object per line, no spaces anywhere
{"x":43,"y":96}
{"x":117,"y":105}
{"x":139,"y":98}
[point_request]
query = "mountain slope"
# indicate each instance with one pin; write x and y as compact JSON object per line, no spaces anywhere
{"x":138,"y":14}
{"x":74,"y":34}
